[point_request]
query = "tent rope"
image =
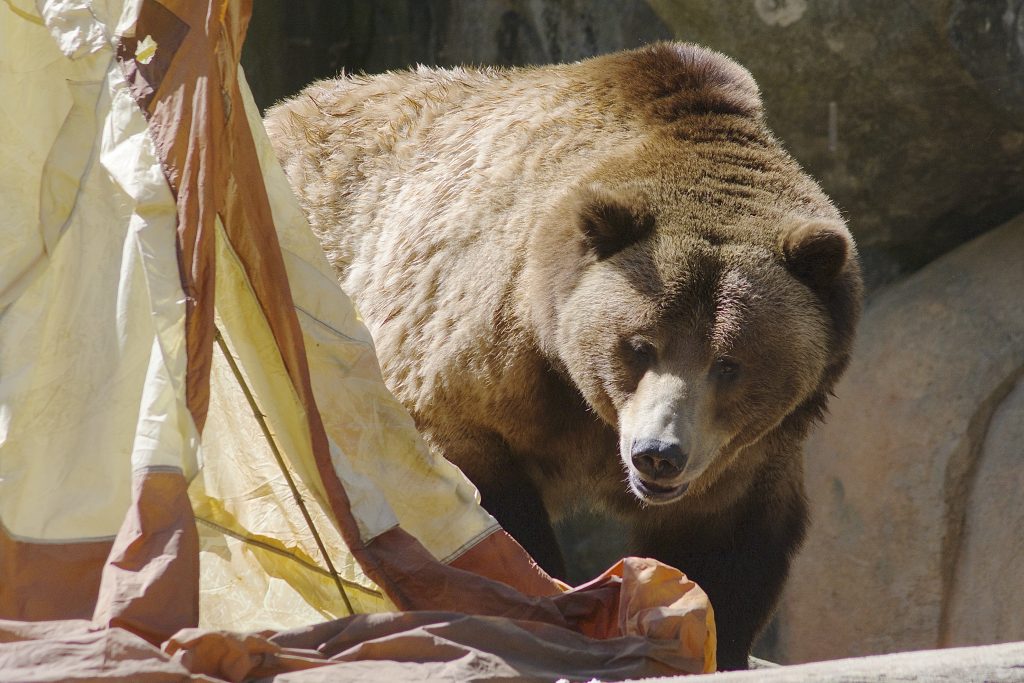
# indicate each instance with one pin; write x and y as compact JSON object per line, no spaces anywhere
{"x":261,"y":419}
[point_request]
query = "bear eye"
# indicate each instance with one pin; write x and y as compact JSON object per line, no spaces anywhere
{"x":725,"y":368}
{"x":642,"y":351}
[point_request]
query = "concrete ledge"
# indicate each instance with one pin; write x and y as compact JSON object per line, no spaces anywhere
{"x":982,"y":664}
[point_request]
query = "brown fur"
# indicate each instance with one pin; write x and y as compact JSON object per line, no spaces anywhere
{"x":567,"y":268}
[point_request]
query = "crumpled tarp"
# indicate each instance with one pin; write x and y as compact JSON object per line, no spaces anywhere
{"x":201,"y":471}
{"x":407,"y":646}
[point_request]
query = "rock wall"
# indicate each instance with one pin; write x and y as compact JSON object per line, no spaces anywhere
{"x":910,"y":114}
{"x":291,"y":44}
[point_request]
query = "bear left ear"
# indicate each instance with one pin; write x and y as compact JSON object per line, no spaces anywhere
{"x":610,"y":222}
{"x":816,"y":250}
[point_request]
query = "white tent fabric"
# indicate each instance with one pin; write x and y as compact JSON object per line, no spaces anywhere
{"x":115,"y":318}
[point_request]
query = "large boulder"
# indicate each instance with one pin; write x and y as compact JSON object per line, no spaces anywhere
{"x":915,"y":479}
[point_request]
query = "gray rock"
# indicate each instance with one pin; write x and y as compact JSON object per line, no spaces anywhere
{"x":915,"y":479}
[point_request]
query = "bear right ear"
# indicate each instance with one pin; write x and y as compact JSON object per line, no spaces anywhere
{"x":816,"y":250}
{"x":610,"y":222}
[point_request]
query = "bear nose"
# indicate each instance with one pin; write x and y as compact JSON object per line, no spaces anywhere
{"x":658,"y":459}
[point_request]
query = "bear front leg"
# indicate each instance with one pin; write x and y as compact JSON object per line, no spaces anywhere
{"x":741,"y":564}
{"x":518,"y":506}
{"x":506,"y":491}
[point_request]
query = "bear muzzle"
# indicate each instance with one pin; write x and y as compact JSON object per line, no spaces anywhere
{"x":657,"y":465}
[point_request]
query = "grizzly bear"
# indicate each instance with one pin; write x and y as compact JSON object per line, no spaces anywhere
{"x":602,"y":283}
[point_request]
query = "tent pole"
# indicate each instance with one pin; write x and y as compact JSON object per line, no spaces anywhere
{"x":258,"y":414}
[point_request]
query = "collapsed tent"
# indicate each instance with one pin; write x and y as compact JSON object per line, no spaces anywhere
{"x":201,"y":471}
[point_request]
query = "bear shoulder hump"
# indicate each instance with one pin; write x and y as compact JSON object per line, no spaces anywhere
{"x":669,"y":80}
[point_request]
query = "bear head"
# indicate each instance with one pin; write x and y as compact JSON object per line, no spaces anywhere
{"x":697,"y":287}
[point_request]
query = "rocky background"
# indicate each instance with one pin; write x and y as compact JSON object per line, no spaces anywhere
{"x":911,"y":115}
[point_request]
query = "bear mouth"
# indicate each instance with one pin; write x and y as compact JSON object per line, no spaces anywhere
{"x":656,"y":493}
